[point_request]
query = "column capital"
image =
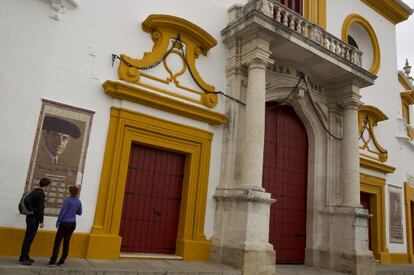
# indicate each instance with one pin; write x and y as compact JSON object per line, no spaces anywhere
{"x":350,"y":103}
{"x":256,"y":57}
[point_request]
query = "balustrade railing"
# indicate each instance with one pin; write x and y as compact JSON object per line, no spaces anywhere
{"x":296,"y":23}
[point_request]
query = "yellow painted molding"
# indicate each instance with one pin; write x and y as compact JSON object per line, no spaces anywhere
{"x":12,"y":238}
{"x":375,"y":165}
{"x":104,"y":246}
{"x":395,"y":258}
{"x":142,"y":96}
{"x":389,"y":9}
{"x":315,"y":12}
{"x":127,"y":127}
{"x":369,"y":116}
{"x":202,"y":39}
{"x":408,"y":97}
{"x":375,"y":187}
{"x":409,"y":201}
{"x":358,"y":19}
{"x":403,"y":82}
{"x":164,"y":29}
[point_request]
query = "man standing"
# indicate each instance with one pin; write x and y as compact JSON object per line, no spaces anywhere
{"x":35,"y":202}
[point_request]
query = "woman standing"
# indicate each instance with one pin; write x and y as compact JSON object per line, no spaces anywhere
{"x":66,"y":224}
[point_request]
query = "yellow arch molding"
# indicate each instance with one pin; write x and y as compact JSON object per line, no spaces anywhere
{"x":358,"y":19}
{"x":163,"y":29}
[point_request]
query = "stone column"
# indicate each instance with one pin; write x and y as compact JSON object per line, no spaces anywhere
{"x":350,"y":155}
{"x":252,"y":151}
{"x":241,"y":225}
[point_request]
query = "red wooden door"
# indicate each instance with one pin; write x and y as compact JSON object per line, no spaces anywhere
{"x":295,"y":5}
{"x":152,"y":200}
{"x":365,"y":197}
{"x":285,"y":177}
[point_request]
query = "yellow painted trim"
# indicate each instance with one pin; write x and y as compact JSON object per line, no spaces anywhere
{"x":370,"y":116}
{"x":375,"y":165}
{"x":11,"y":240}
{"x":142,"y":96}
{"x":403,"y":82}
{"x":127,"y":127}
{"x":395,"y":258}
{"x":375,"y":187}
{"x":409,"y":198}
{"x":358,"y":19}
{"x":389,"y":9}
{"x":315,"y":12}
{"x":164,"y":29}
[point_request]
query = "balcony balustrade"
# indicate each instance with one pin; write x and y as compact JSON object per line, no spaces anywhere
{"x":296,"y":23}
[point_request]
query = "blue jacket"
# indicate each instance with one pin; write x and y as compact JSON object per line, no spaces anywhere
{"x":72,"y":206}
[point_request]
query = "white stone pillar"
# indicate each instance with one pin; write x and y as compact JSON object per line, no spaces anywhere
{"x":252,"y":151}
{"x":350,"y":156}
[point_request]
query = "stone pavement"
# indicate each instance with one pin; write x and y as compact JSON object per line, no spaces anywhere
{"x":400,"y":269}
{"x":303,"y":270}
{"x":10,"y":266}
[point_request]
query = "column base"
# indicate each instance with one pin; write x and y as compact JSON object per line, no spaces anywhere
{"x":241,"y":231}
{"x":250,"y":262}
{"x":347,"y":247}
{"x":350,"y":263}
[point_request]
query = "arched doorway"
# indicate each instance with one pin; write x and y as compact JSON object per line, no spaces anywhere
{"x":285,"y":177}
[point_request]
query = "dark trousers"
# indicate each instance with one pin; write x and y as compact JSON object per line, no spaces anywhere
{"x":32,"y":224}
{"x":64,"y":232}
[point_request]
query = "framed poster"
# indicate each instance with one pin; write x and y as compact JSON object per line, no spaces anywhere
{"x":59,"y":151}
{"x":396,"y":228}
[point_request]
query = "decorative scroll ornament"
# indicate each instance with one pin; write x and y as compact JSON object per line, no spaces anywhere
{"x":177,"y":44}
{"x":368,"y":118}
{"x":407,"y":99}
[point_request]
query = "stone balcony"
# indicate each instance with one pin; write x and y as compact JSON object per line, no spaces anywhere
{"x":299,"y":41}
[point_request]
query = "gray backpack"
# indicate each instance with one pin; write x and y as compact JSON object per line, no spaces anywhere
{"x":22,"y":205}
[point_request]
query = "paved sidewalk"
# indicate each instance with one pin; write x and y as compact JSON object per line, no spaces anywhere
{"x":397,"y":269}
{"x":10,"y":266}
{"x":303,"y":270}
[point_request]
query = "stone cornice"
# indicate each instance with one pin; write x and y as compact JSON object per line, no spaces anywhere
{"x":393,"y":10}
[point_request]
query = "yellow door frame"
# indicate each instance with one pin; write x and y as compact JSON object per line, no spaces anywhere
{"x":127,"y":127}
{"x":409,"y":197}
{"x":375,"y":187}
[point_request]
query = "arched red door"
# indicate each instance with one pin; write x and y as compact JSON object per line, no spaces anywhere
{"x":285,"y":177}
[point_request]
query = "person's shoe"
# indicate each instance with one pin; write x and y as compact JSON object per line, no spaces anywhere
{"x":26,"y":262}
{"x":51,"y":264}
{"x":60,"y":264}
{"x":30,"y":259}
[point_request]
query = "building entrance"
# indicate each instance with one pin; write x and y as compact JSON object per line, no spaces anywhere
{"x":285,"y":177}
{"x":152,"y":201}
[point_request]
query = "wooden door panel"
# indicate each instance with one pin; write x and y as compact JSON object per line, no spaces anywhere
{"x":285,"y":177}
{"x":152,"y":200}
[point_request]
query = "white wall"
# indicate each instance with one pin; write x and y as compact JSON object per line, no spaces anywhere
{"x":67,"y":61}
{"x":385,"y":94}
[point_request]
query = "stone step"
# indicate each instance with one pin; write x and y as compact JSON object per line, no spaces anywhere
{"x":10,"y":266}
{"x":396,"y":269}
{"x":303,"y":270}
